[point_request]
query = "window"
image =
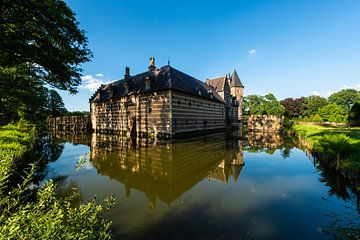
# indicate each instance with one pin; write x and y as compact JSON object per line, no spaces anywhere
{"x":126,"y":86}
{"x":147,"y":83}
{"x":189,"y":104}
{"x":178,"y":102}
{"x":150,"y":109}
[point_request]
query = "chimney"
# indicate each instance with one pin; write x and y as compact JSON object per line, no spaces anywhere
{"x":127,"y":72}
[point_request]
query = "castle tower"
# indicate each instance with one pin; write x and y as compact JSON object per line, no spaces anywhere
{"x":237,"y":90}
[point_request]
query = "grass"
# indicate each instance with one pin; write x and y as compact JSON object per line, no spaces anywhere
{"x":39,"y":213}
{"x":333,"y":143}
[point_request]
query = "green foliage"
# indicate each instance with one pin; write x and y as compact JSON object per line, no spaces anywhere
{"x":40,"y":213}
{"x":40,"y":45}
{"x":337,"y":146}
{"x":56,"y":106}
{"x":339,"y":119}
{"x":355,"y":114}
{"x":345,"y":98}
{"x":331,"y":111}
{"x":43,"y":37}
{"x":313,"y":104}
{"x":317,"y":118}
{"x":263,"y":105}
{"x":77,"y":113}
{"x":50,"y":217}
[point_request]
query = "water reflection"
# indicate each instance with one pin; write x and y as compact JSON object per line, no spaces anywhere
{"x":231,"y":184}
{"x":165,"y":170}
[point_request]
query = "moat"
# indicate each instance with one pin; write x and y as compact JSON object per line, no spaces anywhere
{"x":218,"y":186}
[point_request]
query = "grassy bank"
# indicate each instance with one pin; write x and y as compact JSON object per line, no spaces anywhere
{"x":337,"y":146}
{"x":31,"y":212}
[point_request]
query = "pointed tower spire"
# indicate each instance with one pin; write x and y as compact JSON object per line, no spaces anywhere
{"x":235,"y":80}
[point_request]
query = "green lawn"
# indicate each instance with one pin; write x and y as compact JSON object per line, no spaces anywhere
{"x":308,"y":130}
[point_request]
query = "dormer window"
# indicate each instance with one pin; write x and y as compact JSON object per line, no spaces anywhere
{"x":147,"y":83}
{"x":126,"y":86}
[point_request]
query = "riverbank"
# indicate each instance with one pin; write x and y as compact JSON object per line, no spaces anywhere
{"x":337,"y":146}
{"x":28,"y":211}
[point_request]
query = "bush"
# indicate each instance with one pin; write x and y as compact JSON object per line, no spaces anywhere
{"x":332,"y":119}
{"x":40,"y":213}
{"x":338,"y":119}
{"x":317,"y":118}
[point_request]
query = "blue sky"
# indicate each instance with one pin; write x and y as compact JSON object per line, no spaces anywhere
{"x":290,"y":48}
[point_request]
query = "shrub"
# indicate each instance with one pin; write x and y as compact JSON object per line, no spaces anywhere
{"x":40,"y":213}
{"x":317,"y":118}
{"x":335,"y":146}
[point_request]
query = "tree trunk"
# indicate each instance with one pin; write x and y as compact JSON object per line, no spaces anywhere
{"x":337,"y":162}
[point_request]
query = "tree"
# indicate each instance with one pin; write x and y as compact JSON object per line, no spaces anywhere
{"x":345,"y":98}
{"x":355,"y":114}
{"x":294,"y":107}
{"x":56,"y":106}
{"x":331,"y":111}
{"x":313,"y":104}
{"x":40,"y":44}
{"x":44,"y":37}
{"x":273,"y":106}
{"x":263,"y":105}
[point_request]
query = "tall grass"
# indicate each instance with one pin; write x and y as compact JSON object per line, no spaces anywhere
{"x":27,"y":213}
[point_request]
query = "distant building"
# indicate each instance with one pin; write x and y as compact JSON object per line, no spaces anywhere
{"x":165,"y":102}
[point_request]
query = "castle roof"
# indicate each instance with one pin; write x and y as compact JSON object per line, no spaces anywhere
{"x":217,"y":83}
{"x":235,"y":80}
{"x":162,"y":79}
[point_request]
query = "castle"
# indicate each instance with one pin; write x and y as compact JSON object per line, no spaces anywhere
{"x":165,"y":102}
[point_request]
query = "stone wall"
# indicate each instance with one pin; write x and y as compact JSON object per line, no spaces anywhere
{"x":264,"y":123}
{"x":146,"y":114}
{"x":78,"y":124}
{"x":158,"y":114}
{"x":190,"y":113}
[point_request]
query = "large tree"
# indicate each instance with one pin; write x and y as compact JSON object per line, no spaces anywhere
{"x":331,"y":112}
{"x":263,"y":105}
{"x":43,"y":36}
{"x":294,"y":106}
{"x":40,"y":45}
{"x":56,"y":106}
{"x":345,"y":98}
{"x":313,"y":104}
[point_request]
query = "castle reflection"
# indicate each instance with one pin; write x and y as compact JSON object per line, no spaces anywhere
{"x":165,"y":170}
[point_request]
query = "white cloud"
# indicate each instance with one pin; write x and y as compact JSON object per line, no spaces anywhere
{"x":356,"y":86}
{"x":328,"y":93}
{"x":252,"y":52}
{"x":92,"y":83}
{"x":316,"y":93}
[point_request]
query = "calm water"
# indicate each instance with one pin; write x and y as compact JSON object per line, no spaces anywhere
{"x":212,"y":187}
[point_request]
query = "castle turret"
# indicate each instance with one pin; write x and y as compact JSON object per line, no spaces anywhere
{"x":237,"y":90}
